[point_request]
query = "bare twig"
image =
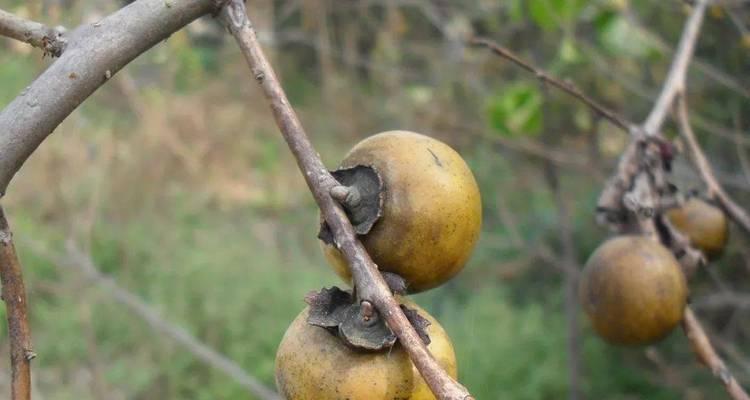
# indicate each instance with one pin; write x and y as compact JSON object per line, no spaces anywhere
{"x":566,"y":86}
{"x":368,"y":281}
{"x":14,"y":295}
{"x":715,"y":191}
{"x":95,"y":52}
{"x":38,"y":35}
{"x":640,"y":174}
{"x":675,"y":81}
{"x":706,"y":354}
{"x":81,"y":262}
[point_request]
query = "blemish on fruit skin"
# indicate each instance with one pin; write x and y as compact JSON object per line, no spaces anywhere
{"x":437,"y":160}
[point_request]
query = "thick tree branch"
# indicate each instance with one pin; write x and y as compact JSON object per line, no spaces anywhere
{"x":706,"y":354}
{"x":675,"y":81}
{"x":14,"y":295}
{"x":94,"y":53}
{"x":36,"y":34}
{"x":368,"y":281}
{"x":566,"y":86}
{"x":715,"y":191}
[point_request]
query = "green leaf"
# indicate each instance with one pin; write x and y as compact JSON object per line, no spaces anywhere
{"x":551,"y":14}
{"x":517,"y":112}
{"x":620,"y":37}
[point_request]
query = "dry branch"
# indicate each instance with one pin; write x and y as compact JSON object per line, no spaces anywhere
{"x":706,"y":354}
{"x":566,"y":86}
{"x":674,"y":83}
{"x":95,"y":52}
{"x":14,"y":295}
{"x":84,"y":265}
{"x":715,"y":191}
{"x":38,"y":35}
{"x":368,"y":280}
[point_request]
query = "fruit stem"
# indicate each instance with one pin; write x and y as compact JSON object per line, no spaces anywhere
{"x":348,"y":196}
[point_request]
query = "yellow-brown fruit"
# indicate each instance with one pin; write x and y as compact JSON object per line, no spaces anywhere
{"x":431,"y":213}
{"x":311,"y":363}
{"x":633,"y":290}
{"x":705,"y":225}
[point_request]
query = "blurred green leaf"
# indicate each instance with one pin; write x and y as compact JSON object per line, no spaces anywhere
{"x":517,"y":112}
{"x":618,"y":36}
{"x":551,"y":14}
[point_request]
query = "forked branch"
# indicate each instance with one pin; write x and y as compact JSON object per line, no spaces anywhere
{"x":715,"y":191}
{"x":367,"y":279}
{"x":50,"y":40}
{"x":14,"y":295}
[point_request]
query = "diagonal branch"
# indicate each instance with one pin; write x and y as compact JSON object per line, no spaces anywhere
{"x":715,"y":190}
{"x":368,"y":281}
{"x":14,"y":295}
{"x":706,"y":354}
{"x":95,"y":52}
{"x":36,"y":34}
{"x":566,"y":86}
{"x":675,"y":81}
{"x":83,"y":264}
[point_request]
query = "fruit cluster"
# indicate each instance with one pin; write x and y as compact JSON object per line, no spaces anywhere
{"x":633,"y":288}
{"x":416,"y":207}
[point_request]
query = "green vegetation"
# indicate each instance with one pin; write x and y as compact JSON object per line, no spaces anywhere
{"x":184,"y":192}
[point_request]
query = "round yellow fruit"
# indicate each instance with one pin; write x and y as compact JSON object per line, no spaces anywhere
{"x":432,"y":211}
{"x":312,"y":363}
{"x":705,"y":225}
{"x":633,"y":290}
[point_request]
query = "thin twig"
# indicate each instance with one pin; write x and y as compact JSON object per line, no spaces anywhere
{"x":675,"y":81}
{"x":368,"y":281}
{"x":566,"y":86}
{"x":38,"y":35}
{"x":82,"y":263}
{"x":715,"y":191}
{"x":14,"y":295}
{"x":706,"y":354}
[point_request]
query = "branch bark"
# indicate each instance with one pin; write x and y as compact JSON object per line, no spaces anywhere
{"x":715,"y":191}
{"x":706,"y":354}
{"x":95,"y":52}
{"x":14,"y":295}
{"x":368,"y":280}
{"x":566,"y":86}
{"x":38,"y":35}
{"x":675,"y":81}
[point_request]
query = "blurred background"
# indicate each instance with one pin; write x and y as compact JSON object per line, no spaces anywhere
{"x":173,"y":180}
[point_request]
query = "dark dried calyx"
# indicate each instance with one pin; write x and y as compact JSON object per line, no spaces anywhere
{"x":364,"y":202}
{"x":355,"y":322}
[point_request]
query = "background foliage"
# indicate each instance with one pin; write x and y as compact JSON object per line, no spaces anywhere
{"x":175,"y":179}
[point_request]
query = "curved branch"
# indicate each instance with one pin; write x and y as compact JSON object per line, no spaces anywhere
{"x":94,"y":53}
{"x":737,"y":213}
{"x":14,"y":295}
{"x":36,"y":34}
{"x":368,"y":280}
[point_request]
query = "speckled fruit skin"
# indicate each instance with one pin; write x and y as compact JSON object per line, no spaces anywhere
{"x":633,"y":290}
{"x":312,"y":364}
{"x":432,"y":209}
{"x":705,"y":225}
